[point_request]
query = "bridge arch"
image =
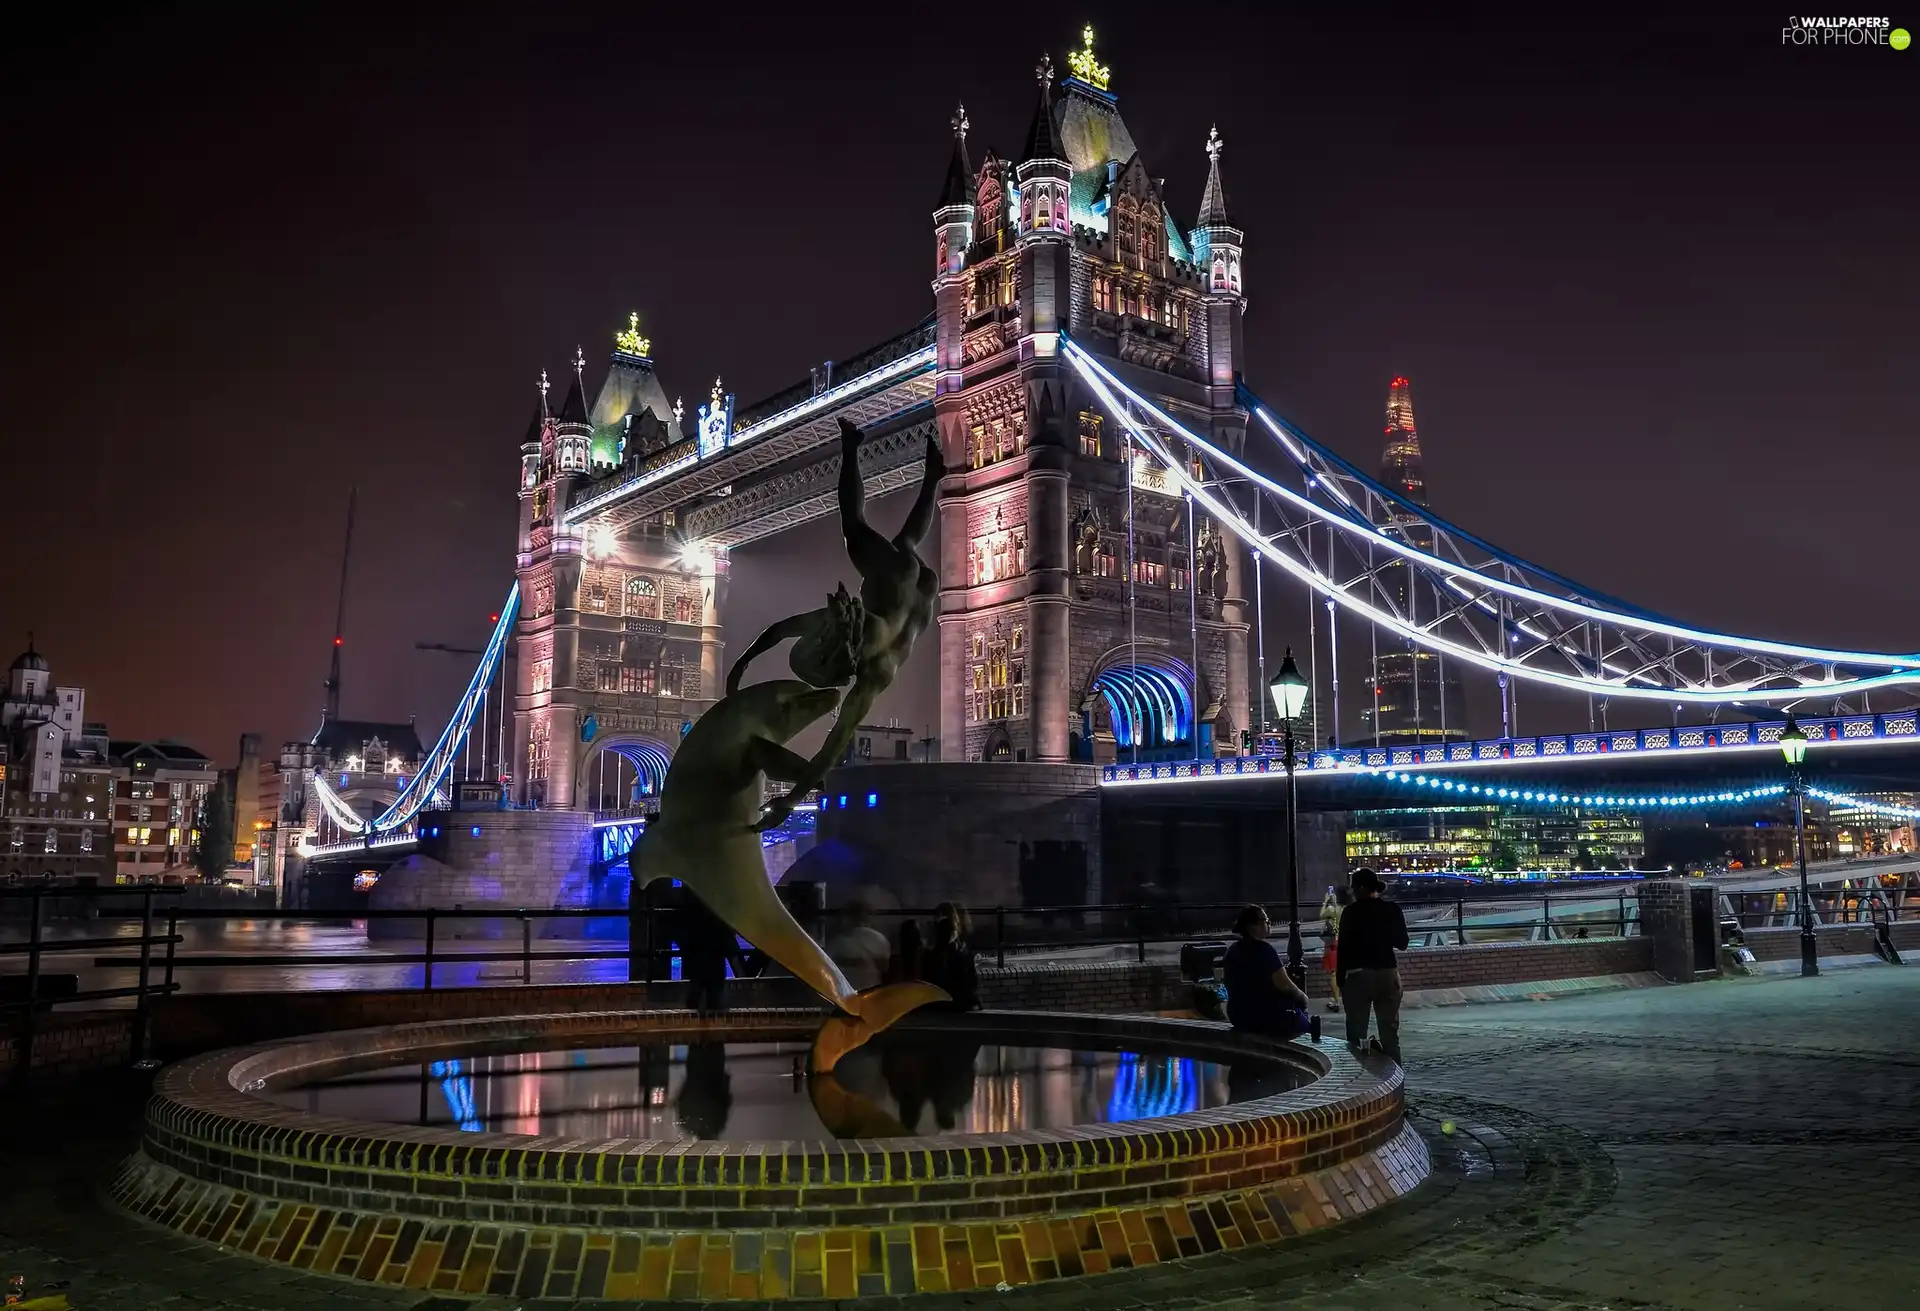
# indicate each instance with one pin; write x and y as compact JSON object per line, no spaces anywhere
{"x":1146,"y":699}
{"x":648,"y":756}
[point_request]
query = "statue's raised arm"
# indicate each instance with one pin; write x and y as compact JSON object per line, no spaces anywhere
{"x":898,"y":593}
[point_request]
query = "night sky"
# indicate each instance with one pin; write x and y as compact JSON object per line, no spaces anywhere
{"x":1655,"y":285}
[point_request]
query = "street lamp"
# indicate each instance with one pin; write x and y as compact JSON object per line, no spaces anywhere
{"x":1289,"y":692}
{"x":1793,"y":745}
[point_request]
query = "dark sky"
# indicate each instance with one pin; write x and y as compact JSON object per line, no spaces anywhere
{"x":1654,"y":281}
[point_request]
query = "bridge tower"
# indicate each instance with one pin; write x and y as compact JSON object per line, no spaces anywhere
{"x":619,"y":620}
{"x":1084,"y":608}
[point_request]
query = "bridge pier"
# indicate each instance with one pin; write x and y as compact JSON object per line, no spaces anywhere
{"x":488,"y":861}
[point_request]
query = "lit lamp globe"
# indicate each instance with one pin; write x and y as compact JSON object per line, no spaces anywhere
{"x":1793,"y":742}
{"x":1289,"y":690}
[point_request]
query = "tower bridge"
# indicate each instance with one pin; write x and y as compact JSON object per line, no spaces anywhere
{"x":1118,"y":499}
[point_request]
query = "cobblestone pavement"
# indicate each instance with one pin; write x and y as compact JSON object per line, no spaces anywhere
{"x":1746,"y":1144}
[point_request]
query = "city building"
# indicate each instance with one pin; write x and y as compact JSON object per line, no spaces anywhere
{"x":243,"y":786}
{"x":1487,"y":838}
{"x":159,"y":790}
{"x":1415,"y":696}
{"x":879,"y":743}
{"x":56,"y":786}
{"x":366,"y":762}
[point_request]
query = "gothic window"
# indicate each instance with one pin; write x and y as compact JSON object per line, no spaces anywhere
{"x":979,"y":647}
{"x":1219,"y":273}
{"x":986,"y":290}
{"x":1090,"y":424}
{"x":643,"y":598}
{"x":1103,"y":293}
{"x":609,"y":680}
{"x":670,"y":680}
{"x":1044,"y":217}
{"x":989,"y":206}
{"x":639,"y":680}
{"x":1233,"y":273}
{"x":1007,"y":288}
{"x":940,"y":259}
{"x":537,"y":752}
{"x":541,"y":675}
{"x":597,"y":596}
{"x":977,"y":446}
{"x":1026,"y":209}
{"x":1019,"y":632}
{"x":683,"y":609}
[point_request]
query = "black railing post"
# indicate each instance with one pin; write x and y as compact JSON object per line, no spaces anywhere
{"x":526,"y":949}
{"x":142,"y":1016}
{"x":646,"y":973}
{"x":1546,"y":918}
{"x":1000,"y":935}
{"x":33,"y":989}
{"x":1460,"y":921}
{"x":1623,"y":915}
{"x":1140,"y":934}
{"x":426,"y":971}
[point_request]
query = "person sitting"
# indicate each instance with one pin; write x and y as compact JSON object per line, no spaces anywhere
{"x":1261,"y":996}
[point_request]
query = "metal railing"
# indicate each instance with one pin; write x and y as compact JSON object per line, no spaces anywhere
{"x":996,"y":933}
{"x":36,"y":947}
{"x":1782,"y":907}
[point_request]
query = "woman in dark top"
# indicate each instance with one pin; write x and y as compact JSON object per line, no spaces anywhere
{"x":1261,"y":996}
{"x":1371,"y":930}
{"x":948,"y":962}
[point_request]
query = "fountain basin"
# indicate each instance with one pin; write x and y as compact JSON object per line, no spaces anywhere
{"x":560,"y":1214}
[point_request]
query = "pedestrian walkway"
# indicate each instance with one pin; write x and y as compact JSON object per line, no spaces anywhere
{"x":1736,"y":1145}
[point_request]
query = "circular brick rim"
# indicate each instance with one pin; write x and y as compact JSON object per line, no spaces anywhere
{"x":442,"y":1208}
{"x":204,"y":1123}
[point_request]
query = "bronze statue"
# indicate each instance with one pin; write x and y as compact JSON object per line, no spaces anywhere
{"x":708,"y":833}
{"x":898,"y":595}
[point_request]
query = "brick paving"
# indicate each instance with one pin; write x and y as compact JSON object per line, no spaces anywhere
{"x":1746,"y":1144}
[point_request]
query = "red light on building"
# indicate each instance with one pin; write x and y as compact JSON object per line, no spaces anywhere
{"x":339,"y":641}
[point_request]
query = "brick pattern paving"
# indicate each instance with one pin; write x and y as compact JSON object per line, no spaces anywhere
{"x":1735,"y":1146}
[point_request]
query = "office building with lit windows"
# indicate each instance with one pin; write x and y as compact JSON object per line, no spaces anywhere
{"x":158,"y":790}
{"x":1486,"y":838}
{"x":55,"y":783}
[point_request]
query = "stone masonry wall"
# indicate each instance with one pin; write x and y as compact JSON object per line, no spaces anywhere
{"x":487,"y":860}
{"x":1666,"y":917}
{"x":73,"y":1043}
{"x":952,"y":831}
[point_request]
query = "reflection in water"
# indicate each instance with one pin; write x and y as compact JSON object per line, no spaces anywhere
{"x":903,"y":1083}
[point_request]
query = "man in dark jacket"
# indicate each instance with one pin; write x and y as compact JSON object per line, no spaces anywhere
{"x":1371,"y":930}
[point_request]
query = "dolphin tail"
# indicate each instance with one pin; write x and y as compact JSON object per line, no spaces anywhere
{"x":882,"y":1007}
{"x":869,"y":1012}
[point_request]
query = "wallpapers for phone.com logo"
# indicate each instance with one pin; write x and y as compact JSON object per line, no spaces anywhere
{"x":1801,"y":31}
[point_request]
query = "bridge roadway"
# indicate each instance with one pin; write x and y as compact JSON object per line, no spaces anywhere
{"x":781,"y":462}
{"x":1849,"y":753}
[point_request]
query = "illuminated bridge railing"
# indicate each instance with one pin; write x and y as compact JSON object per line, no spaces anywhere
{"x":384,"y":843}
{"x":1842,"y":730}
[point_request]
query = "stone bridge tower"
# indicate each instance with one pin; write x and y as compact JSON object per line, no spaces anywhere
{"x":619,"y":618}
{"x":1085,"y":610}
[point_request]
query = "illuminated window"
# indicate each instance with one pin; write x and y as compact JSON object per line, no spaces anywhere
{"x":86,"y":838}
{"x":173,"y":837}
{"x":53,"y":840}
{"x":542,"y":674}
{"x":177,"y":788}
{"x":683,"y":609}
{"x":609,"y":678}
{"x":643,"y":599}
{"x":1090,"y":424}
{"x":597,"y":597}
{"x":1103,"y":293}
{"x":639,"y":680}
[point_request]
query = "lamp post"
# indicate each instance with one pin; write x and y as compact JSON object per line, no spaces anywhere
{"x":1289,"y":692}
{"x":1793,"y":745}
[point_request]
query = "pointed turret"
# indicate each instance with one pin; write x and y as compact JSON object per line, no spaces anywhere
{"x":953,"y":216}
{"x":1213,"y":203}
{"x":1216,"y":242}
{"x":531,"y":443}
{"x":1044,"y":174}
{"x":958,"y":188}
{"x":571,"y":426}
{"x":1043,"y":137}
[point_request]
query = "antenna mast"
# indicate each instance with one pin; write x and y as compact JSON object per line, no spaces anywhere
{"x":340,"y":618}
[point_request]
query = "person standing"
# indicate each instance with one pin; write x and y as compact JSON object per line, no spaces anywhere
{"x":707,"y":947}
{"x":1881,"y":915}
{"x":1261,"y":996}
{"x":948,"y":962}
{"x":1371,"y":930}
{"x":1331,"y":908}
{"x":860,"y":950}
